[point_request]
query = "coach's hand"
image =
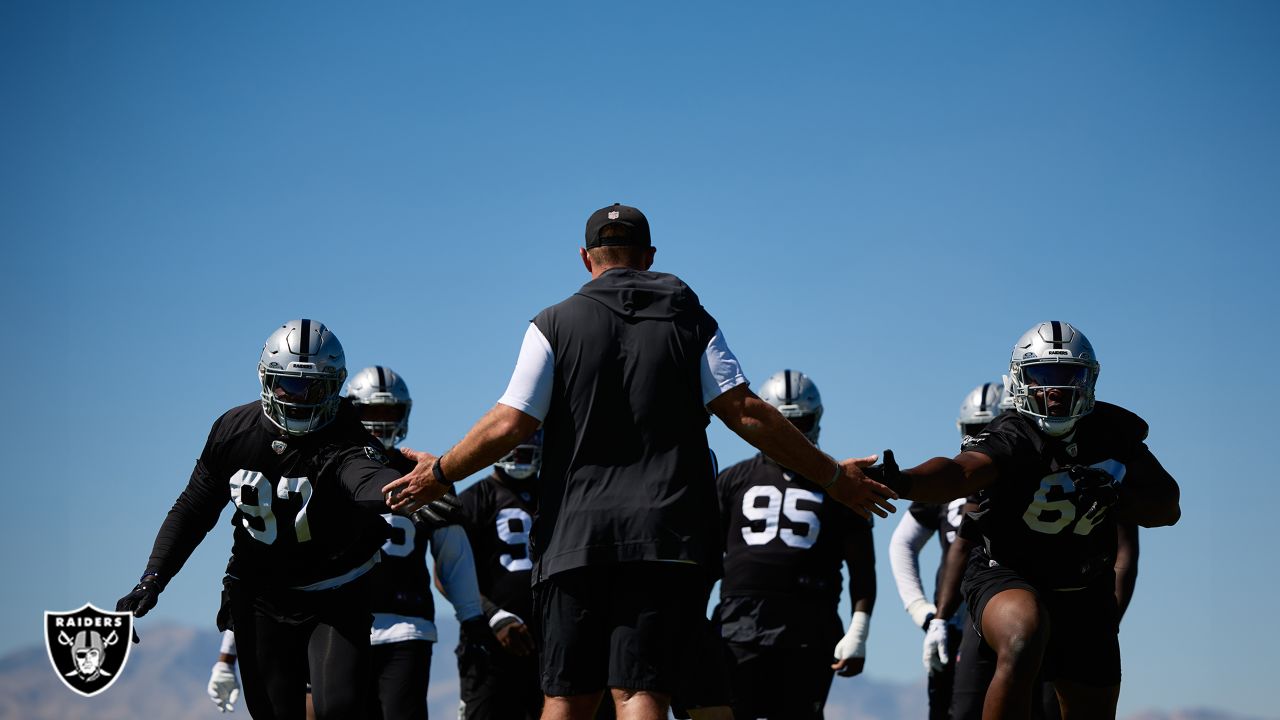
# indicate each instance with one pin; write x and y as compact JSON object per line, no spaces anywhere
{"x":864,"y":495}
{"x":415,"y":489}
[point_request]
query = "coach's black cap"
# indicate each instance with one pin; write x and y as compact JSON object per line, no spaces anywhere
{"x":636,"y":227}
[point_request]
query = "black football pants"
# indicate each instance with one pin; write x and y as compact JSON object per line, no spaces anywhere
{"x":402,"y":673}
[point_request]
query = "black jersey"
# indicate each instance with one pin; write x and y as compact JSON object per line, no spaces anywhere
{"x":402,"y":585}
{"x":1028,"y":518}
{"x":307,"y":507}
{"x":499,"y":515}
{"x":785,"y":543}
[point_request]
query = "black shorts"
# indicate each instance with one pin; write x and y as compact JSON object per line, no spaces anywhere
{"x":705,"y":680}
{"x":627,"y":625}
{"x":1084,"y":625}
{"x":780,"y":683}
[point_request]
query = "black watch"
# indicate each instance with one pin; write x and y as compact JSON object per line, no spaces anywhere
{"x":437,"y":472}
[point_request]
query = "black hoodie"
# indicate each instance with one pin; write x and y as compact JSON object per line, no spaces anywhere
{"x":627,"y":473}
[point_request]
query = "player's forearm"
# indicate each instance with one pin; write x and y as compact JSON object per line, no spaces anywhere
{"x":1126,"y":564}
{"x":192,"y":516}
{"x":761,"y":425}
{"x":947,"y":598}
{"x":494,"y":435}
{"x":904,"y":558}
{"x":457,"y":571}
{"x":940,"y":480}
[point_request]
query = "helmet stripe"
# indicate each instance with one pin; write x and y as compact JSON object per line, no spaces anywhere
{"x":1057,"y":335}
{"x":982,"y":400}
{"x":786,"y":394}
{"x":306,"y":338}
{"x":382,"y":379}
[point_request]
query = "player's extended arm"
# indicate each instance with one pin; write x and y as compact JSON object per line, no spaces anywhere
{"x":940,"y":479}
{"x":860,"y":555}
{"x":494,"y":435}
{"x":1126,"y":564}
{"x":904,"y":557}
{"x":192,"y":516}
{"x":760,"y":424}
{"x":1149,"y":495}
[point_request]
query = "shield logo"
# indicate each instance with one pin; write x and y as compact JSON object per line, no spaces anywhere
{"x":88,"y":647}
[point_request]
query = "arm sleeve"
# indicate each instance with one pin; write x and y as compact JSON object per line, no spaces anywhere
{"x":192,"y":516}
{"x":720,"y":369}
{"x":364,"y":477}
{"x":530,"y":388}
{"x":457,"y":571}
{"x":904,"y":557}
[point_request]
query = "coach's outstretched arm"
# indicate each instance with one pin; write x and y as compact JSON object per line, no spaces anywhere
{"x":760,"y":424}
{"x":494,"y":435}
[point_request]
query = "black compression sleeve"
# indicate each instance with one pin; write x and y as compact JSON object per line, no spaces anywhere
{"x":192,"y":516}
{"x":364,"y":479}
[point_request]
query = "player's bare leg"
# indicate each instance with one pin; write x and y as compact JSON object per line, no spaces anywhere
{"x":571,"y":707}
{"x":1079,"y":701}
{"x":640,"y":704}
{"x":1017,"y":628}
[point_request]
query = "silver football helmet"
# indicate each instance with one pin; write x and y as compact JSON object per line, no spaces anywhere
{"x":301,"y":371}
{"x":797,"y":398}
{"x":980,"y":407}
{"x":1052,"y":373}
{"x":525,"y":460}
{"x":382,"y":401}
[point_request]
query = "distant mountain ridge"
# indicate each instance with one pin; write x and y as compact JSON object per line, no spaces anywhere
{"x":167,"y":673}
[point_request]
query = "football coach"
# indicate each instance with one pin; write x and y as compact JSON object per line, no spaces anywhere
{"x":623,"y":376}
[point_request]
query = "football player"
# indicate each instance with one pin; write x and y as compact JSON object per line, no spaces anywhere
{"x":784,"y":545}
{"x":403,"y":608}
{"x":499,"y":510}
{"x":306,"y":480}
{"x":918,"y":524}
{"x":1056,"y":476}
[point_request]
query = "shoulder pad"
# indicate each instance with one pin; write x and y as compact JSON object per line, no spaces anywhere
{"x":1121,"y":423}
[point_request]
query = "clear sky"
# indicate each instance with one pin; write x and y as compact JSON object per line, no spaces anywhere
{"x":883,"y":196}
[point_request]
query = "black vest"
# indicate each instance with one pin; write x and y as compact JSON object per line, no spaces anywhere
{"x":626,"y":469}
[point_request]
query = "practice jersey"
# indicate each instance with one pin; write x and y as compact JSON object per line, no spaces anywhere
{"x":785,"y":543}
{"x":941,"y":518}
{"x":307,"y":507}
{"x":1028,"y":519}
{"x":499,"y":519}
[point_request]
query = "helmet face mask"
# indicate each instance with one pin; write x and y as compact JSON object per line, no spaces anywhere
{"x":381,"y":399}
{"x":525,"y":460}
{"x":797,"y":399}
{"x":1052,"y":375}
{"x":301,"y":372}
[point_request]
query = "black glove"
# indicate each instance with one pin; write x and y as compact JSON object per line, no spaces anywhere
{"x":143,"y":597}
{"x":440,"y":513}
{"x":887,"y":473}
{"x":478,"y":641}
{"x":1096,"y":491}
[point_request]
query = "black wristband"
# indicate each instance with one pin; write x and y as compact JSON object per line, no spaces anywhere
{"x":437,"y":472}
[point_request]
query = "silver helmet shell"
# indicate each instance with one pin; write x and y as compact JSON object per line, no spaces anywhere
{"x":525,"y":460}
{"x":797,"y":398}
{"x":382,"y":401}
{"x":979,"y":407}
{"x":301,"y":371}
{"x":1053,"y":357}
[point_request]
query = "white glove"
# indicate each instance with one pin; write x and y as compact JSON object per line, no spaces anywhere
{"x":936,"y":656}
{"x":854,"y":642}
{"x":224,"y":689}
{"x":921,"y":611}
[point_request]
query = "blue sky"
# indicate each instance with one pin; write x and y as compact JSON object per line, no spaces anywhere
{"x":884,"y":196}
